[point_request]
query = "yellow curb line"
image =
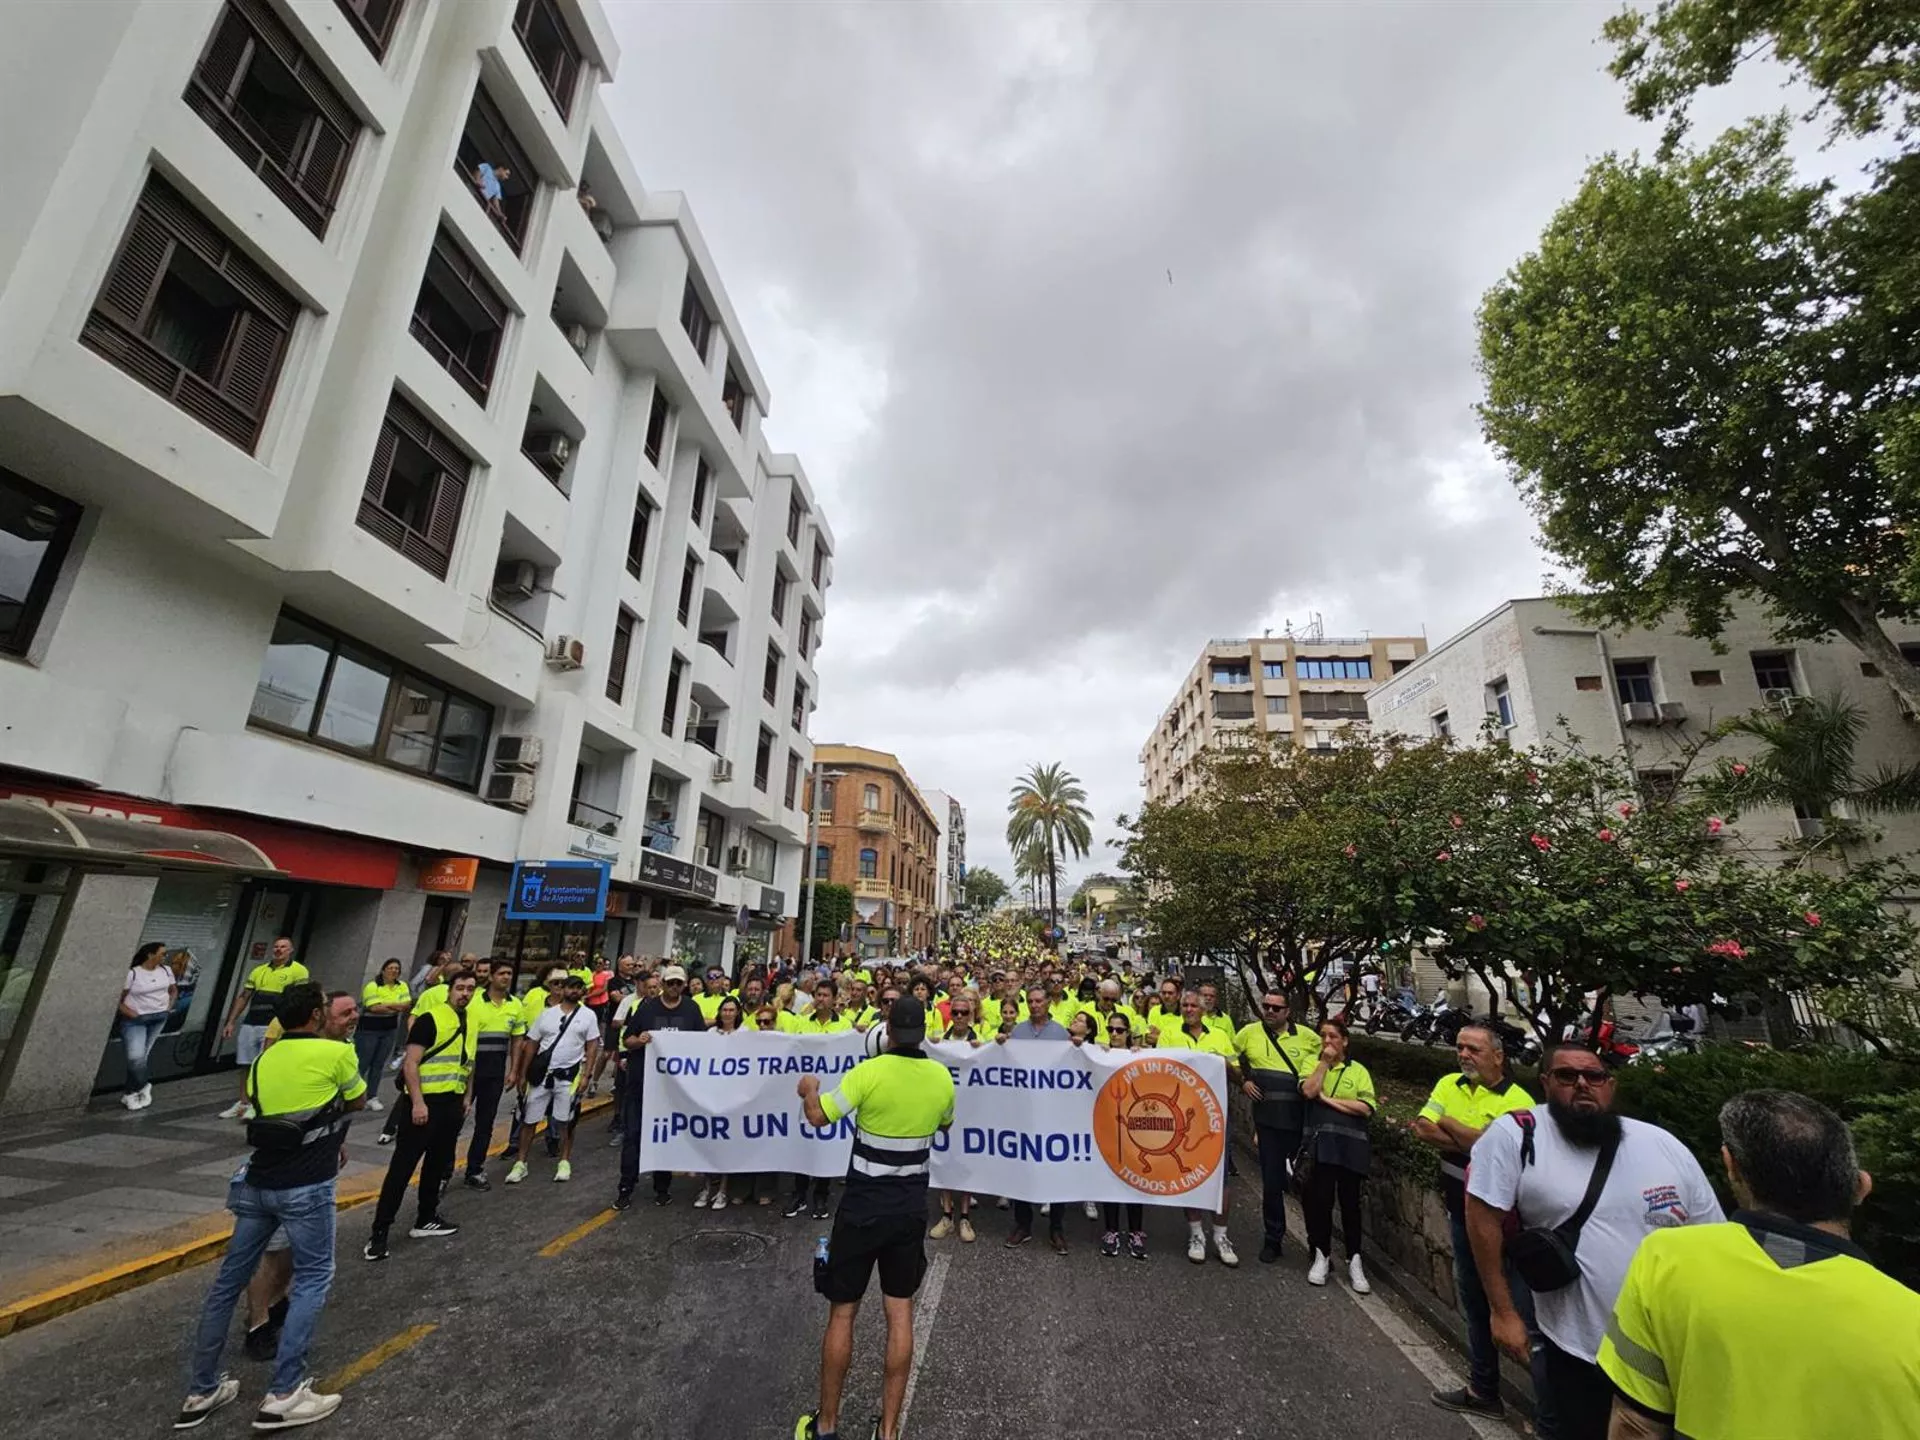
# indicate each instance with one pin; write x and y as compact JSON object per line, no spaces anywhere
{"x":375,"y":1358}
{"x":142,"y":1270}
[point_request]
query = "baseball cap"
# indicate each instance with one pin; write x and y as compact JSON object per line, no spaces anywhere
{"x":672,"y":972}
{"x":907,"y":1021}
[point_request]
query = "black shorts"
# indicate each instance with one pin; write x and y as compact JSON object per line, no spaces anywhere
{"x":896,"y":1243}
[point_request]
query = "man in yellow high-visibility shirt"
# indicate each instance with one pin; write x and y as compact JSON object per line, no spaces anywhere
{"x":1774,"y":1322}
{"x":252,"y":1012}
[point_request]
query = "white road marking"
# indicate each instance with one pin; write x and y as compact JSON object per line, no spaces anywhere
{"x":925,"y":1306}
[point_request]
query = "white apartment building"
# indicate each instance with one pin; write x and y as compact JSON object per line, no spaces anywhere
{"x":1309,"y":688}
{"x":1522,"y":670}
{"x":950,"y":858}
{"x":363,"y":532}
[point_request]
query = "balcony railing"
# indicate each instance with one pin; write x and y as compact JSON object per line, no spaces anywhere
{"x":871,"y":889}
{"x":659,"y":836}
{"x":593,"y":817}
{"x":876,"y":820}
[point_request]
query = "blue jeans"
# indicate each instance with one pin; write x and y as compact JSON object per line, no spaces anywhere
{"x":307,"y":1212}
{"x":1483,"y":1359}
{"x":372,"y":1048}
{"x":138,"y":1036}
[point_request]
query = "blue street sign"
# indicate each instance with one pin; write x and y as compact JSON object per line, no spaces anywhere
{"x":559,"y":890}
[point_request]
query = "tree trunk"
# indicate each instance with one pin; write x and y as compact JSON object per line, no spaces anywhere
{"x":1862,"y":627}
{"x":1053,"y":886}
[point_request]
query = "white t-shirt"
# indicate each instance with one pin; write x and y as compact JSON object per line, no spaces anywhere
{"x":1655,"y":1183}
{"x":147,"y":989}
{"x":572,"y":1045}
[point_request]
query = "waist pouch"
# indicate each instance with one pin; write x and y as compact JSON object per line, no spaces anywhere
{"x":1546,"y":1255}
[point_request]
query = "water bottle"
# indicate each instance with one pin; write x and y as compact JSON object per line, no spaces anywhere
{"x":820,"y":1265}
{"x":820,"y":1251}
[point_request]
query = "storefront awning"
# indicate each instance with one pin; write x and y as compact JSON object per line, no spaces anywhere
{"x":28,"y":826}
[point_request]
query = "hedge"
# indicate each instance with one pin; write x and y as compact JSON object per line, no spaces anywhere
{"x":1878,"y":1098}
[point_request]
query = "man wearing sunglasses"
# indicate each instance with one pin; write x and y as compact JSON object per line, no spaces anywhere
{"x":1542,"y":1171}
{"x":1274,"y":1054}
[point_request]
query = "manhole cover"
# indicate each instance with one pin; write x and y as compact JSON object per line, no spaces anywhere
{"x":722,"y":1247}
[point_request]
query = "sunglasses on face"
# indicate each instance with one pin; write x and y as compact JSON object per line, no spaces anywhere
{"x":1570,"y":1075}
{"x":1264,"y":1005}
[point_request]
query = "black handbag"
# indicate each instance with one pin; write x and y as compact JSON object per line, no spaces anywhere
{"x":284,"y":1134}
{"x":537,"y":1067}
{"x":1545,"y":1254}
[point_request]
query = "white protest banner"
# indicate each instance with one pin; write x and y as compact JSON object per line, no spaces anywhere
{"x":1036,"y":1120}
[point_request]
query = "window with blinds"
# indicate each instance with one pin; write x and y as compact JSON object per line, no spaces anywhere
{"x":373,"y":21}
{"x":618,"y":654}
{"x":185,"y":313}
{"x":552,"y":48}
{"x":459,"y":317}
{"x":415,"y":488}
{"x":264,"y":96}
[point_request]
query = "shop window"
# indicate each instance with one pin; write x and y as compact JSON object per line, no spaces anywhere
{"x":36,"y":527}
{"x":319,"y":686}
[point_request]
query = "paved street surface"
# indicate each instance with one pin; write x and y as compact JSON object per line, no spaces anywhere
{"x":551,"y":1311}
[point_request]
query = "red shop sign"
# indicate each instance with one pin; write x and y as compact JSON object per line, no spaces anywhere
{"x":304,"y":854}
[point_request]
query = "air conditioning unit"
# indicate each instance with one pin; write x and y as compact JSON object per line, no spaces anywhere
{"x":1672,"y":712}
{"x":660,"y":789}
{"x":549,"y":452}
{"x":723,"y":770}
{"x":515,"y":580}
{"x":577,"y":338}
{"x":566,"y":653}
{"x":1781,"y":696}
{"x":737,"y":857}
{"x":516,"y":752}
{"x":1640,"y":712}
{"x":513,"y":792}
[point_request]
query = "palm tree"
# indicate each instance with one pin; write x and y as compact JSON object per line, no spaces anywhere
{"x":1047,"y":811}
{"x":1805,"y":761}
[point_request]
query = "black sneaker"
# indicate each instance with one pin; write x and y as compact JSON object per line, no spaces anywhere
{"x":662,"y":1197}
{"x":1110,"y":1244}
{"x":1466,"y":1402}
{"x":798,"y":1206}
{"x":622,"y":1199}
{"x":262,"y":1341}
{"x":478,"y":1181}
{"x":1137,"y":1244}
{"x":438,"y":1228}
{"x":821,"y":1210}
{"x":376,"y":1246}
{"x":1269,"y":1252}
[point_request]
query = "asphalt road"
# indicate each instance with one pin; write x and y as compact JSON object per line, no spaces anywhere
{"x":551,"y":1312}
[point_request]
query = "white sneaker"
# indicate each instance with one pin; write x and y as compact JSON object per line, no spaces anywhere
{"x":517,"y":1173}
{"x":302,"y":1407}
{"x":719,"y":1199}
{"x":1358,"y":1276}
{"x":1224,"y":1247}
{"x":942,"y":1228}
{"x":1317,"y":1272}
{"x":1197,"y":1246}
{"x":196,"y":1408}
{"x":131,"y":1100}
{"x":1093,"y":1210}
{"x":236,"y":1111}
{"x":146,"y":1095}
{"x":375,"y":1105}
{"x":700,"y":1200}
{"x":246,"y":1111}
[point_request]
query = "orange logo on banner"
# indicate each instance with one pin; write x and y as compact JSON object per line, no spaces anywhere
{"x":452,"y":876}
{"x":1159,"y":1126}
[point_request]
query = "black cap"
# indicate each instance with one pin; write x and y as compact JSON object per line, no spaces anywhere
{"x":907,"y":1021}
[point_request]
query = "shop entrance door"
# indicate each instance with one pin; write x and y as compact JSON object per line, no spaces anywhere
{"x":270,"y":910}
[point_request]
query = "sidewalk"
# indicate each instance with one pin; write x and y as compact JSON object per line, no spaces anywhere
{"x":99,"y":1202}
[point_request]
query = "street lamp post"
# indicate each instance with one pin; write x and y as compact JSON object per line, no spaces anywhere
{"x":807,"y":863}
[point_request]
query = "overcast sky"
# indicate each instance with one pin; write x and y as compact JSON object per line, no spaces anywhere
{"x":1104,"y":329}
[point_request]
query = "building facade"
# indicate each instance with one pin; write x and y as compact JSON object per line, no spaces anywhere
{"x":950,"y":856}
{"x":879,"y":838}
{"x":1518,"y":673}
{"x":1309,"y":689}
{"x":383,"y":499}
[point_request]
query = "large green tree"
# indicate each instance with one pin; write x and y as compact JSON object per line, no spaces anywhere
{"x":832,"y":908}
{"x":1047,"y":809}
{"x":1684,"y":386}
{"x":983,"y":888}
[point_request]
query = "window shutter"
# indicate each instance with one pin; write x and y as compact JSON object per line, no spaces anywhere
{"x":252,"y":361}
{"x":226,"y":54}
{"x":383,"y":453}
{"x":326,"y":163}
{"x":449,"y":494}
{"x":137,"y":268}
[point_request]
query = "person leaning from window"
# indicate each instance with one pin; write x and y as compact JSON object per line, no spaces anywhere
{"x":306,"y":1088}
{"x":1340,"y":1101}
{"x":145,"y":1002}
{"x":384,"y":1005}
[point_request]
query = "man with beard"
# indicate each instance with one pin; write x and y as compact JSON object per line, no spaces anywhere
{"x":1631,"y":1178}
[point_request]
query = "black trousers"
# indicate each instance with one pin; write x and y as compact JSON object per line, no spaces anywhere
{"x":1582,"y":1396}
{"x":630,"y":1117}
{"x":1325,"y":1183}
{"x":1276,"y":1147}
{"x":1110,"y":1215}
{"x":488,"y":1082}
{"x":816,"y":1187}
{"x":1056,"y":1217}
{"x":429,"y":1146}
